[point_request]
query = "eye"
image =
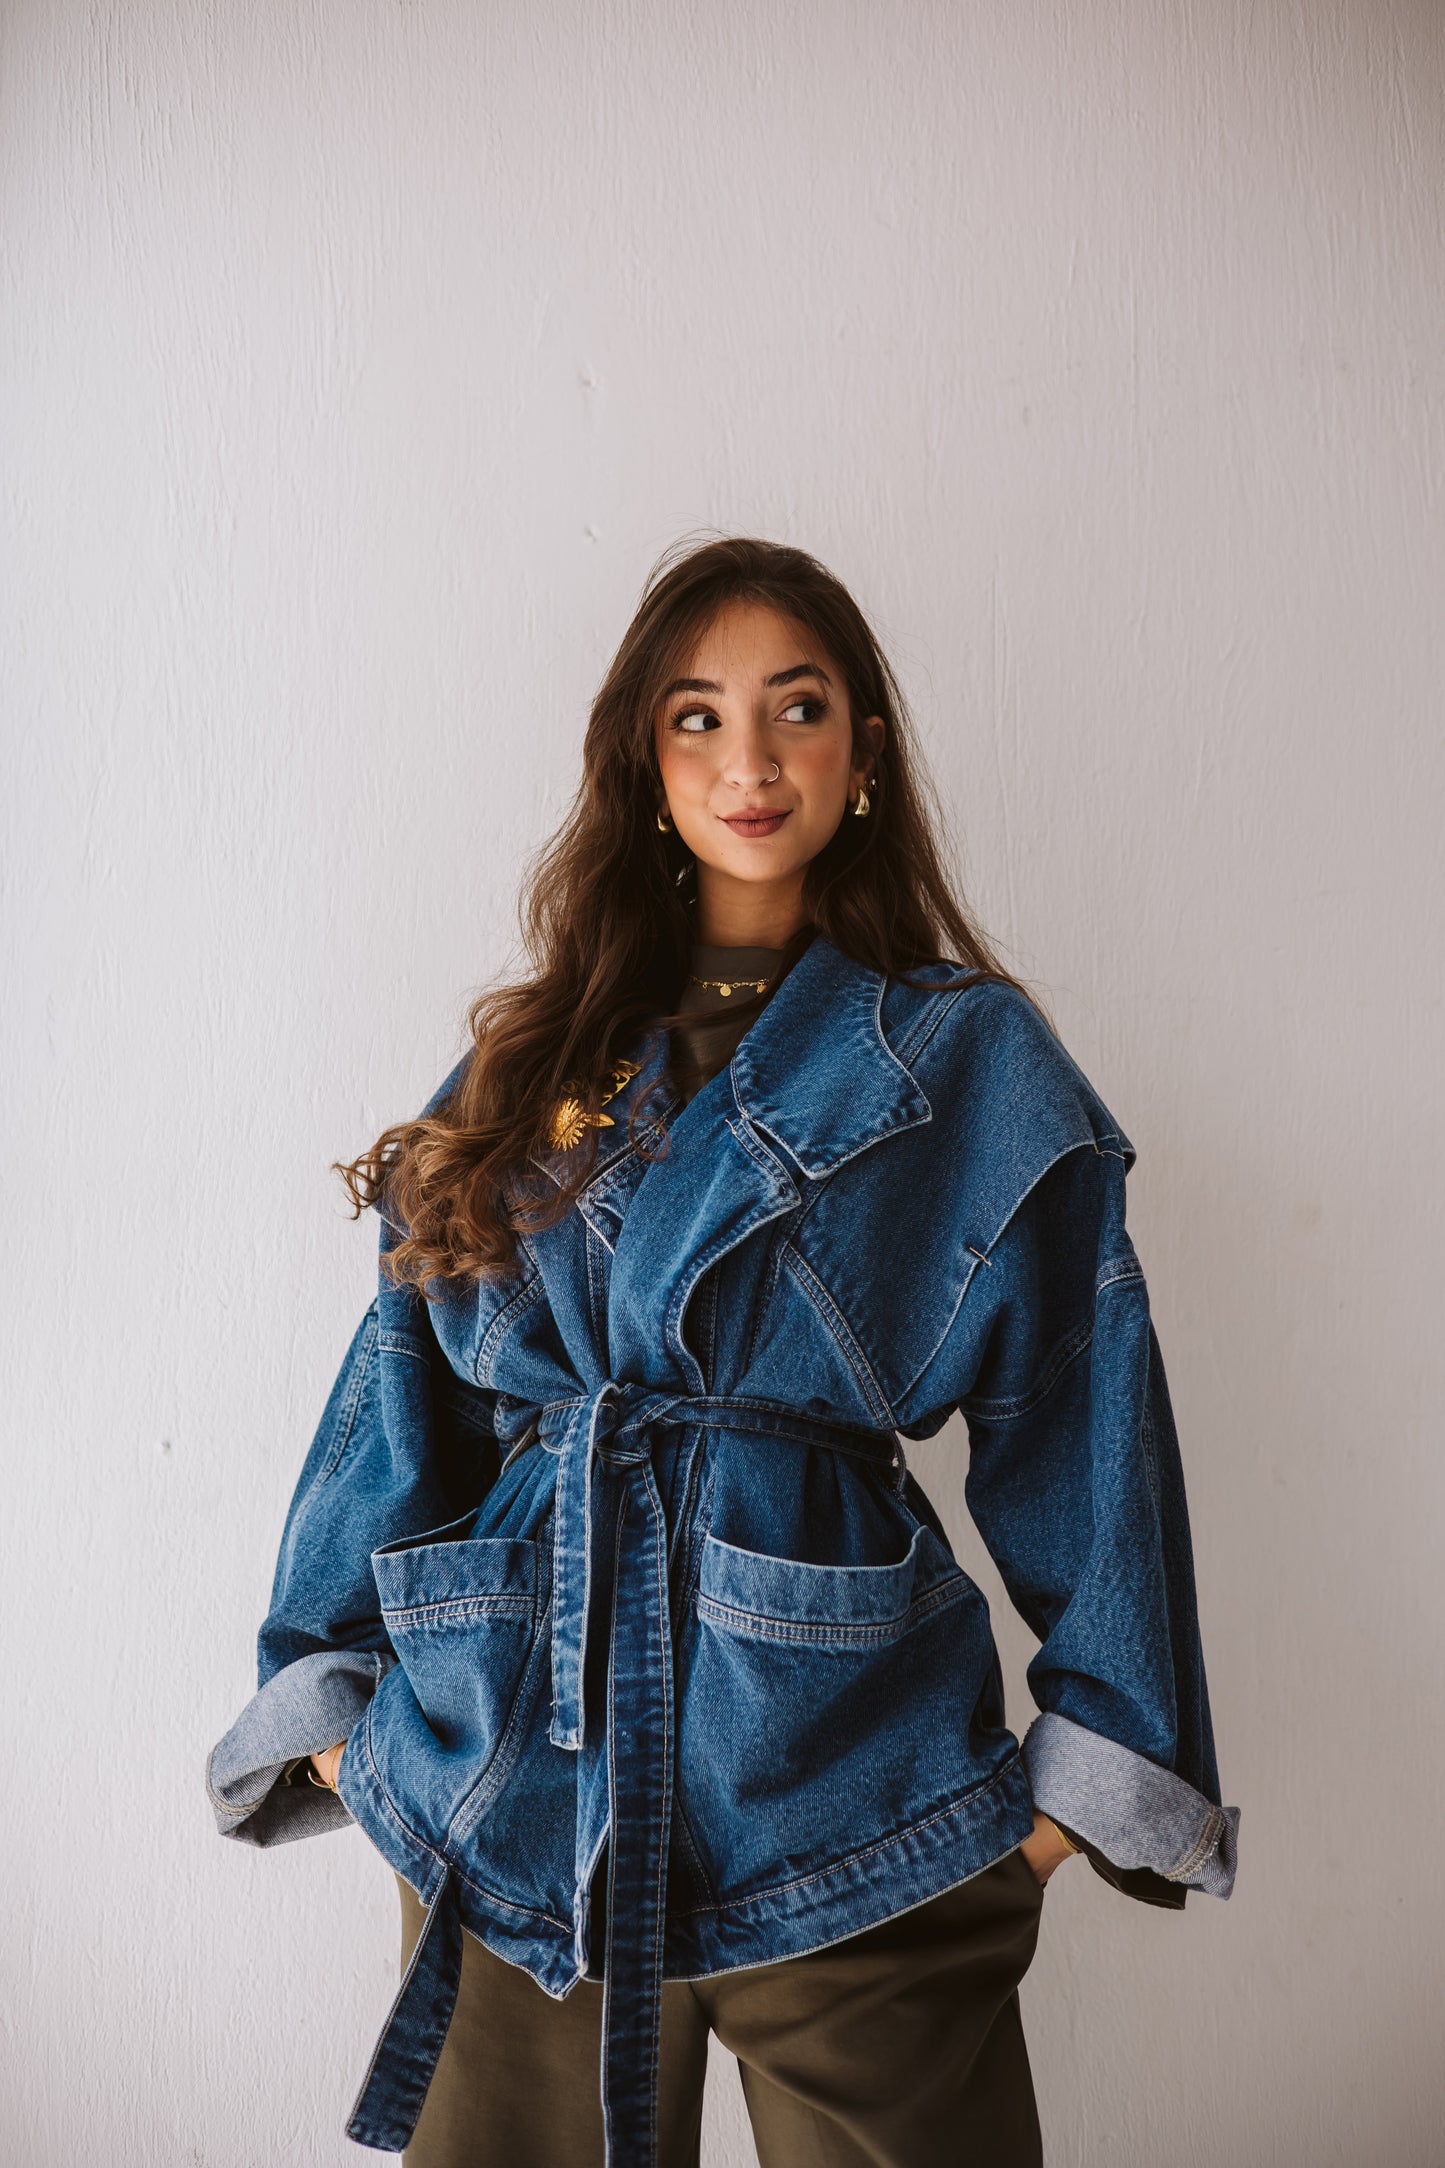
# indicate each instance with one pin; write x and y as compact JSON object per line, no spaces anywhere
{"x":805,"y":711}
{"x":694,"y":721}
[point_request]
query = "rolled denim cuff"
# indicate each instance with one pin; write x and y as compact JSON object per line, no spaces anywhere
{"x":1137,"y":1814}
{"x":303,"y":1709}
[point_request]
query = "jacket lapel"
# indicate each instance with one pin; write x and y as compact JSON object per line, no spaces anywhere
{"x":813,"y":1075}
{"x":816,"y":1073}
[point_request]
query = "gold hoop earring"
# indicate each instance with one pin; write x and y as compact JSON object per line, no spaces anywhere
{"x":860,"y":808}
{"x":664,"y":822}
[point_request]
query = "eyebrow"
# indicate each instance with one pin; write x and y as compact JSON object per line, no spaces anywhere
{"x":779,"y":677}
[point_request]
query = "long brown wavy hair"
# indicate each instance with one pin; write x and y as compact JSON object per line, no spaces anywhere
{"x":607,"y":917}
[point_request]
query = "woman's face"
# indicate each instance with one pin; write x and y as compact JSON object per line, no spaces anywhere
{"x":758,"y":693}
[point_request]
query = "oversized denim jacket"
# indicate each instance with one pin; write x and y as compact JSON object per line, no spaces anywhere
{"x":615,"y":1557}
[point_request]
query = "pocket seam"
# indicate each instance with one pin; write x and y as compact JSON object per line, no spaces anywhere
{"x":839,"y":1633}
{"x":427,"y":1545}
{"x":446,"y":1609}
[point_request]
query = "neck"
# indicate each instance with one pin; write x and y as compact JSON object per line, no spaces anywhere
{"x":747,"y":914}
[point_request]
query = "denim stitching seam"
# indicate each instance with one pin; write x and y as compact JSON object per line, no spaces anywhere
{"x":1213,"y":1830}
{"x":388,"y":1804}
{"x":228,"y":1807}
{"x":446,"y":1865}
{"x":596,"y":1288}
{"x":783,"y":1194}
{"x":1066,"y":1352}
{"x":660,"y":1873}
{"x":1151,"y":1456}
{"x":508,"y":1316}
{"x":449,"y":1610}
{"x":867,"y":1851}
{"x":1079,"y":1144}
{"x":840,"y":1634}
{"x":837,"y":1324}
{"x":400,"y":1343}
{"x":503,"y":1758}
{"x":346,"y":1422}
{"x":913,"y":1039}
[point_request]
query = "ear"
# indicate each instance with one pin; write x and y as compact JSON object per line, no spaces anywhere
{"x":875,"y":730}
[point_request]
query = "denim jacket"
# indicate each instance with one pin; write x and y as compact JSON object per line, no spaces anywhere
{"x":614,"y":1560}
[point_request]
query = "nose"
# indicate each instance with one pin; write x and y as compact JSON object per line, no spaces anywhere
{"x":749,"y":765}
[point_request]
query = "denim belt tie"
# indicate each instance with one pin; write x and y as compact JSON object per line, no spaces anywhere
{"x":609,"y":1540}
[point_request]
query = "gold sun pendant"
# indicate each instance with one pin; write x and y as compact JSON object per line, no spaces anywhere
{"x":570,"y":1118}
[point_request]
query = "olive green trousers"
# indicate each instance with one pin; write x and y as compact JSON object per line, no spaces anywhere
{"x":901,"y":2047}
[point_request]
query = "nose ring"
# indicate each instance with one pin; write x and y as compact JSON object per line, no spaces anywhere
{"x":777,"y":771}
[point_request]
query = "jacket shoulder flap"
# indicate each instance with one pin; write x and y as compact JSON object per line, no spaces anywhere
{"x":898,"y":1236}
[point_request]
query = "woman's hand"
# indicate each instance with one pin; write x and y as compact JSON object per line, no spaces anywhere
{"x":327,"y":1764}
{"x":1044,"y":1849}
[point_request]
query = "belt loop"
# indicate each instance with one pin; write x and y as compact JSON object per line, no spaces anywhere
{"x":403,"y":2062}
{"x":901,"y":1464}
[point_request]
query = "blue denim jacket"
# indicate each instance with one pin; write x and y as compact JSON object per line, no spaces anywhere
{"x":616,"y":1556}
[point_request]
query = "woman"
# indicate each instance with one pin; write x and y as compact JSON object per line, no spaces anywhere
{"x":606,"y":1603}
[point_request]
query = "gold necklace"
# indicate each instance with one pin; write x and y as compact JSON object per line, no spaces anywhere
{"x":731,"y":986}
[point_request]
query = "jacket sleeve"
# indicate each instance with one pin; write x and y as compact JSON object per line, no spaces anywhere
{"x":403,"y":1446}
{"x":1076,"y":1486}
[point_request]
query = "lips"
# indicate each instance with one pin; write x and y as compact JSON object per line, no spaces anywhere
{"x":755,"y":824}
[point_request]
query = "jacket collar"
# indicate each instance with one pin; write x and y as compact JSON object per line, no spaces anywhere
{"x":815,"y":1072}
{"x":813,"y":1079}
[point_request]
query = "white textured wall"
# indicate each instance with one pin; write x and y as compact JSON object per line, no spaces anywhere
{"x":357,"y":360}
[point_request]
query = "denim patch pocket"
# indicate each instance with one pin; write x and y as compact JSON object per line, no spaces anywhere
{"x":841,"y":1607}
{"x":825,"y":1705}
{"x":461,"y":1613}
